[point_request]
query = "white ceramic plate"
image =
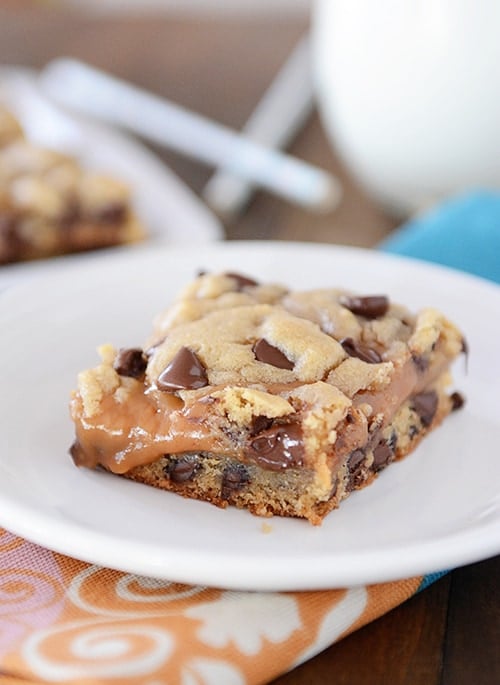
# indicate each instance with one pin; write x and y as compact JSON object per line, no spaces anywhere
{"x":169,"y":210}
{"x":437,"y":509}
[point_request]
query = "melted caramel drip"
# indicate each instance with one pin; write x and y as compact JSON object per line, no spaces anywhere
{"x":149,"y":425}
{"x":406,"y":380}
{"x":139,"y":431}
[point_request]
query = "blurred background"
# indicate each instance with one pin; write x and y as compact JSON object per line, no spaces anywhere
{"x":194,"y":6}
{"x":214,"y":58}
{"x":396,"y":102}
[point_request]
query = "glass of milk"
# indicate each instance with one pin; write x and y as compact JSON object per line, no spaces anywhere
{"x":409,"y":92}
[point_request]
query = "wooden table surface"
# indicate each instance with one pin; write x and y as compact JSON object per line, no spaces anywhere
{"x":449,"y":634}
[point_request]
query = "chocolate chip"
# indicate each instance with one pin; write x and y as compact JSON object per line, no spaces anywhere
{"x":114,"y":213}
{"x":7,"y":225}
{"x":457,"y":401}
{"x":10,"y":239}
{"x":234,"y":477}
{"x":425,"y":404}
{"x":268,"y":354}
{"x":355,"y":466}
{"x":382,"y":455}
{"x":361,"y":351}
{"x":355,"y":460}
{"x":259,"y":424}
{"x":277,"y":448}
{"x":76,"y":453}
{"x":130,"y":362}
{"x":70,"y":216}
{"x":241,"y":281}
{"x":182,"y":469}
{"x":465,"y":350}
{"x":393,"y":441}
{"x":370,"y":306}
{"x":422,"y":363}
{"x":185,"y":372}
{"x":413,"y":431}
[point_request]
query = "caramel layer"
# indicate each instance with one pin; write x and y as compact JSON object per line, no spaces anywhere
{"x":139,"y":431}
{"x":406,"y":380}
{"x":145,"y":427}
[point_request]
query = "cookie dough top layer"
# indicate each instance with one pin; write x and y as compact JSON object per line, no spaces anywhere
{"x":243,"y":332}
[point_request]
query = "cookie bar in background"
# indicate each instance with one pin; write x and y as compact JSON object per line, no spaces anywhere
{"x":276,"y":401}
{"x":49,"y":205}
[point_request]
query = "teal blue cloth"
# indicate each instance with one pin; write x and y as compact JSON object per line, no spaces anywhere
{"x":430,"y":578}
{"x":463,"y":233}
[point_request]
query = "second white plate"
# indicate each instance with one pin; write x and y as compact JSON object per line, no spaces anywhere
{"x":436,"y":509}
{"x":170,"y":211}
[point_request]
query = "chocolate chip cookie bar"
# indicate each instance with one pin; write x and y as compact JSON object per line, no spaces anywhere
{"x":49,"y":205}
{"x":275,"y":401}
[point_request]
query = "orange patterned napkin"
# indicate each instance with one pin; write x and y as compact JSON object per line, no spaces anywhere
{"x":65,"y":621}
